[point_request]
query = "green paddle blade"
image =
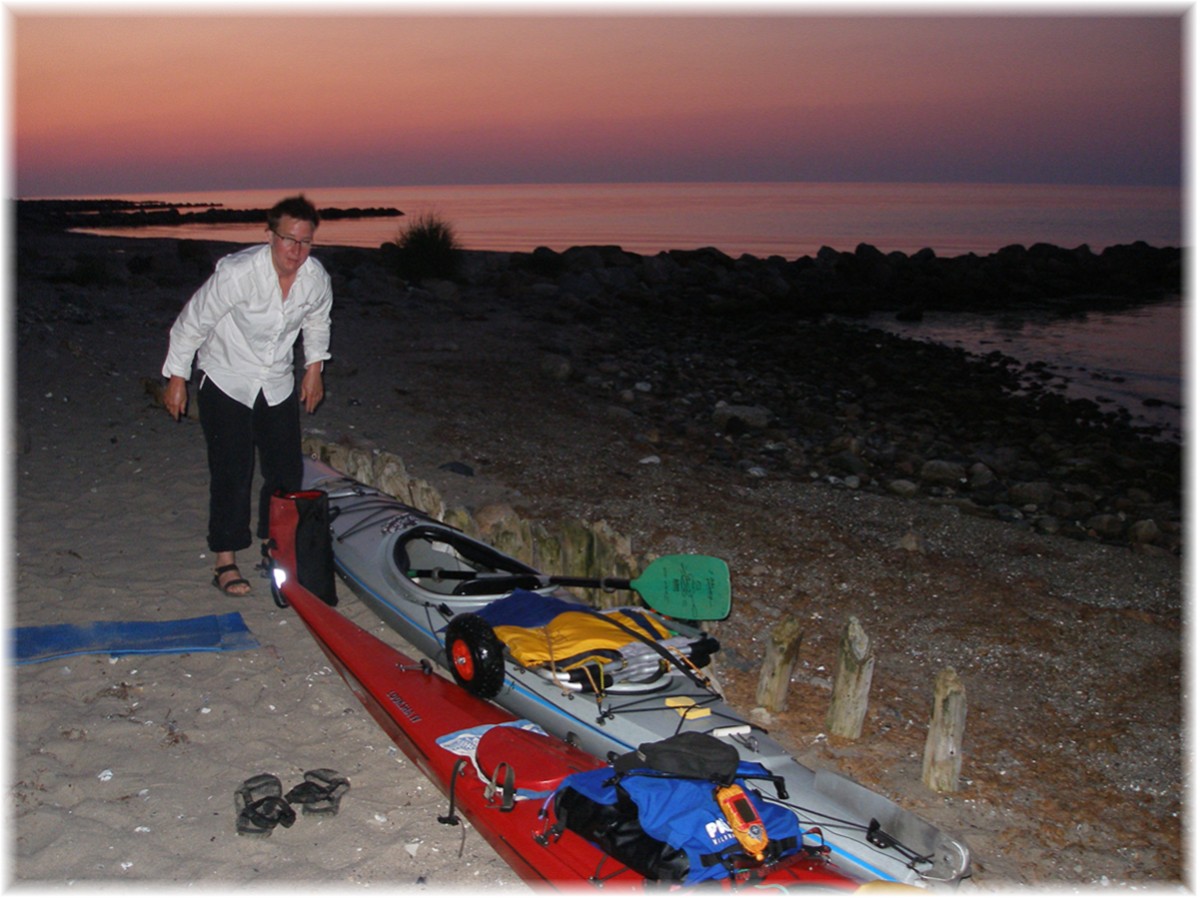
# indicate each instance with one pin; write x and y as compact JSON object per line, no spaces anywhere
{"x":686,"y":586}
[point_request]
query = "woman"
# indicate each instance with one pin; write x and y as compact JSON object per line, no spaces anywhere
{"x":240,"y":327}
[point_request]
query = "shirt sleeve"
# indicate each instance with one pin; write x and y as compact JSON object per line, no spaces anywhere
{"x":195,"y":323}
{"x":316,"y":326}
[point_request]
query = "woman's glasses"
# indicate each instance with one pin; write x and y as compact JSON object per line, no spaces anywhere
{"x":290,"y":242}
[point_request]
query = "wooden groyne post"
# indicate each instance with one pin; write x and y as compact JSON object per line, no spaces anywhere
{"x":783,"y":649}
{"x":851,"y":682}
{"x":943,"y":745}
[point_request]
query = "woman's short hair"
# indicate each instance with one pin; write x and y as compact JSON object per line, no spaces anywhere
{"x":297,"y":207}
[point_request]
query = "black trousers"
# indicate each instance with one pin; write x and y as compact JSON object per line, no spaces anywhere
{"x":234,"y":433}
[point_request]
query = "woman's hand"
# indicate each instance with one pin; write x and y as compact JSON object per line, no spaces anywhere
{"x":175,"y":397}
{"x":312,"y":388}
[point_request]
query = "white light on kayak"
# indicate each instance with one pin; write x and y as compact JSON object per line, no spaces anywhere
{"x":279,"y":575}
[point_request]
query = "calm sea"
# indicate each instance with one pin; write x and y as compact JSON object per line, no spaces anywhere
{"x":1131,"y":359}
{"x":1116,"y":359}
{"x":788,"y":219}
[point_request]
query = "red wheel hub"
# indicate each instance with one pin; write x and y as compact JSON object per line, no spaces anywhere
{"x":464,"y":663}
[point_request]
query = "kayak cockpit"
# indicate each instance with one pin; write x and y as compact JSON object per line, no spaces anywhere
{"x":445,"y":561}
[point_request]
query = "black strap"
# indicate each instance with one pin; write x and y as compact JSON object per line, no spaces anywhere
{"x":507,"y":788}
{"x":451,"y":818}
{"x":881,"y":839}
{"x":734,"y":858}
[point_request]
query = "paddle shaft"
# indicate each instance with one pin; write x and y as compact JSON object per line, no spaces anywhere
{"x":681,"y":586}
{"x":608,"y":584}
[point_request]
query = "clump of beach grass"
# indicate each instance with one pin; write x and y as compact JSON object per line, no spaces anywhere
{"x":428,"y":248}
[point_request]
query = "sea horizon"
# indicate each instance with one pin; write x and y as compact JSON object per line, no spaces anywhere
{"x":790,"y":219}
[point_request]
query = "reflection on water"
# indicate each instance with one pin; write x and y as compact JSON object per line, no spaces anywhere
{"x":790,"y":219}
{"x":1131,"y":359}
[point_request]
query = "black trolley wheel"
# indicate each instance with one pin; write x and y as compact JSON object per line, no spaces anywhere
{"x":475,"y":655}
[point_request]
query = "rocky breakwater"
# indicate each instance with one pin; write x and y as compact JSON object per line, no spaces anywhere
{"x":56,"y":215}
{"x":739,"y":363}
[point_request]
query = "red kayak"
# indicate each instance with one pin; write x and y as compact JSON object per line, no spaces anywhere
{"x":496,"y":770}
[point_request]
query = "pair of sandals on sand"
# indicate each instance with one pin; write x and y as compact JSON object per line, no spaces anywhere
{"x":228,"y":587}
{"x":261,"y":803}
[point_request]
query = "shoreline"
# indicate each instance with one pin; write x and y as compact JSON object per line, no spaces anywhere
{"x":522,"y":388}
{"x":1115,"y":358}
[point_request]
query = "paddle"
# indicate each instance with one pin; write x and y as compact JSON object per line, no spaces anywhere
{"x":682,"y":586}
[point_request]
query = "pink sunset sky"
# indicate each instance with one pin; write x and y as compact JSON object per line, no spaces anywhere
{"x":106,"y":104}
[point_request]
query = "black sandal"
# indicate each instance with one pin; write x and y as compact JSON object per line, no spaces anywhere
{"x":320,"y":792}
{"x":225,"y":588}
{"x":261,"y":806}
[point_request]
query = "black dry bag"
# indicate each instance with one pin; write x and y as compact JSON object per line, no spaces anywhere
{"x":309,"y":511}
{"x":690,"y":754}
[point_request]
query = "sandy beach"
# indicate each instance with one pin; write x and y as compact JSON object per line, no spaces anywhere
{"x":123,"y":770}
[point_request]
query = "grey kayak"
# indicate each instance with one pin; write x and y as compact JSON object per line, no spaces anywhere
{"x":391,"y":555}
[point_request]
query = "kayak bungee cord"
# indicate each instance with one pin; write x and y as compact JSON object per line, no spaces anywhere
{"x":651,"y":705}
{"x":873,"y":832}
{"x":383,"y":512}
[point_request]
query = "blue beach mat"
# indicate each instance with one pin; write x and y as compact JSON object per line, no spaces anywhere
{"x":38,"y":643}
